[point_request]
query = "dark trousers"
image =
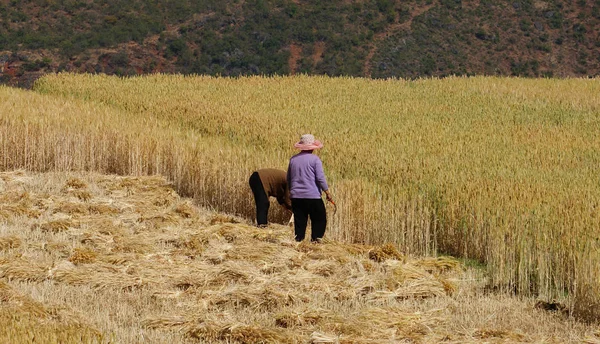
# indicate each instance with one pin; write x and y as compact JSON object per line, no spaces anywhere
{"x":260,"y":198}
{"x":303,"y":209}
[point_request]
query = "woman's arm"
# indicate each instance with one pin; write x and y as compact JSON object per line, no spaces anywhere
{"x":320,"y":176}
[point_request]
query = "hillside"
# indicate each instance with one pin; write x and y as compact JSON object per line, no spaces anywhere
{"x":379,"y":39}
{"x":86,"y":257}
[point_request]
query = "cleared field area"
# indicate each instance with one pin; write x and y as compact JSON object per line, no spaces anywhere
{"x":500,"y":170}
{"x":91,"y":258}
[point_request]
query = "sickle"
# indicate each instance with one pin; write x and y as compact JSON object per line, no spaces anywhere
{"x":334,"y":207}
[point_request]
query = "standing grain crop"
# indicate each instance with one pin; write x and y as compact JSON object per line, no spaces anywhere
{"x":500,"y":170}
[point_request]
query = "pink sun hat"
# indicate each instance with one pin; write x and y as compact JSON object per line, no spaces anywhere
{"x":308,"y":142}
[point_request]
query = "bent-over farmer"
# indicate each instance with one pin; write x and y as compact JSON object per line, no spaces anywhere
{"x":265,"y":183}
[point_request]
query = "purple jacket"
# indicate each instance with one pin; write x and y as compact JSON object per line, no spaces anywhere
{"x":305,"y":176}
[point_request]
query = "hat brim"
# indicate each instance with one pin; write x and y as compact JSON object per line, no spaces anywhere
{"x":303,"y":146}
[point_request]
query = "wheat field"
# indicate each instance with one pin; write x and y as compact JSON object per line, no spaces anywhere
{"x":498,"y":170}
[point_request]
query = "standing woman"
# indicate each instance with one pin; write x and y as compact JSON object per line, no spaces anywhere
{"x":306,"y":181}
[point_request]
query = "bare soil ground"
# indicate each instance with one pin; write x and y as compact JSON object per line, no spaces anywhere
{"x":96,"y":258}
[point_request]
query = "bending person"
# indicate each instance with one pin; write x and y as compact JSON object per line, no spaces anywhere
{"x":306,"y":181}
{"x":265,"y":183}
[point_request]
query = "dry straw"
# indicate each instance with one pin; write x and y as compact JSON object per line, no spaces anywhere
{"x":207,"y":277}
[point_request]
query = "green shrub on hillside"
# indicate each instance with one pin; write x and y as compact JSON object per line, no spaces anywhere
{"x":232,"y":37}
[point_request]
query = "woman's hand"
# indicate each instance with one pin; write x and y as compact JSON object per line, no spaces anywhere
{"x":329,"y":198}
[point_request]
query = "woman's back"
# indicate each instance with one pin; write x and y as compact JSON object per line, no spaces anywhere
{"x":305,"y":175}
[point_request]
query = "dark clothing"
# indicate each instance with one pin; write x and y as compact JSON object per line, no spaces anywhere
{"x":304,"y":208}
{"x":265,"y":183}
{"x":260,"y":198}
{"x":275,"y":184}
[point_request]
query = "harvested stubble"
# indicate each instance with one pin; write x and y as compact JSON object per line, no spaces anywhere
{"x":385,"y":252}
{"x":9,"y":242}
{"x":193,"y":279}
{"x":24,"y":270}
{"x":25,"y":320}
{"x":56,"y":226}
{"x":17,"y":203}
{"x":83,"y":256}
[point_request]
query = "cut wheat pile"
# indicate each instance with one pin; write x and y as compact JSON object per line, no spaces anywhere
{"x":97,"y":258}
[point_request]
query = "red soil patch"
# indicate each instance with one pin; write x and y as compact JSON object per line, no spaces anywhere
{"x":295,"y":54}
{"x":319,"y":49}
